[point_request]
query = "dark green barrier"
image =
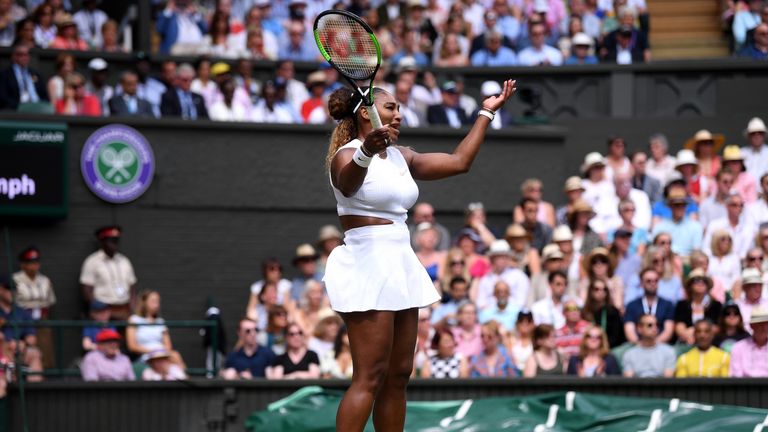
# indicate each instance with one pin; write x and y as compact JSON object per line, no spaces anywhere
{"x":314,"y":409}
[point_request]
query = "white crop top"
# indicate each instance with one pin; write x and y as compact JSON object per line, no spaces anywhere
{"x":387,"y":192}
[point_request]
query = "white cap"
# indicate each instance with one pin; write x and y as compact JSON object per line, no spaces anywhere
{"x":490,"y":88}
{"x":541,"y":6}
{"x":97,"y":64}
{"x":581,"y":39}
{"x":499,"y":247}
{"x":562,"y":233}
{"x":685,"y":157}
{"x":756,"y":125}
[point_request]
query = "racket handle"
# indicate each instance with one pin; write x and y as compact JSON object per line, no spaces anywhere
{"x":373,"y":114}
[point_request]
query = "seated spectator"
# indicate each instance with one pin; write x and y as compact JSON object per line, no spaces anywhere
{"x":325,"y":334}
{"x":219,"y":42}
{"x":295,"y":43}
{"x":425,"y":212}
{"x":426,"y":237}
{"x":500,"y":255}
{"x":250,"y":360}
{"x":584,"y":239}
{"x":501,"y":311}
{"x":539,"y":53}
{"x":599,"y":188}
{"x":411,"y":48}
{"x":649,"y":358}
{"x":18,"y":83}
{"x":447,"y":362}
{"x":704,"y":360}
{"x":45,"y":29}
{"x":744,"y":20}
{"x":110,"y":39}
{"x":328,"y":238}
{"x":10,"y":14}
{"x":673,"y":264}
{"x":756,"y":151}
{"x":224,"y":109}
{"x":97,"y":85}
{"x":724,"y":263}
{"x":731,"y":327}
{"x":468,"y":242}
{"x":162,"y":368}
{"x":297,"y":362}
{"x":545,"y":359}
{"x":540,"y":232}
{"x":260,"y":44}
{"x":568,"y":337}
{"x":699,"y":174}
{"x":744,"y":184}
{"x":128,"y":103}
{"x":699,"y":260}
{"x":456,"y":293}
{"x":549,"y":310}
{"x":220,"y":73}
{"x":180,"y":100}
{"x":424,"y":334}
{"x":76,"y":100}
{"x":599,"y":310}
{"x":564,"y":40}
{"x":65,"y":64}
{"x":737,"y":223}
{"x":67,"y":37}
{"x":245,"y":80}
{"x":574,"y":191}
{"x":466,"y":332}
{"x":696,"y":307}
{"x":749,"y":357}
{"x":181,"y":28}
{"x":270,"y":109}
{"x":519,"y":342}
{"x":598,"y":265}
{"x":273,"y":335}
{"x":100,"y":313}
{"x":89,"y":22}
{"x":553,"y":260}
{"x":203,"y":83}
{"x":661,"y":210}
{"x":448,"y":112}
{"x":650,"y":303}
{"x":643,"y":181}
{"x":685,"y":232}
{"x":758,"y":211}
{"x":21,"y":338}
{"x":151,"y":334}
{"x":312,"y":305}
{"x":494,"y":53}
{"x":524,"y":256}
{"x":628,"y":264}
{"x":594,"y":358}
{"x":313,"y":109}
{"x":752,"y":287}
{"x":626,"y":45}
{"x":337,"y":363}
{"x":493,"y":360}
{"x":106,"y":362}
{"x":451,"y":54}
{"x":581,"y":47}
{"x":661,"y":165}
{"x":713,"y":207}
{"x":25,"y":33}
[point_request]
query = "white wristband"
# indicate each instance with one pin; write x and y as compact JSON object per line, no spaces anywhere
{"x":486,"y":113}
{"x":361,"y":159}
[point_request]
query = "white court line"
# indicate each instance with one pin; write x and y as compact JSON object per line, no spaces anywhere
{"x":460,"y":414}
{"x":674,"y":404}
{"x":655,"y":421}
{"x":569,"y":398}
{"x":552,"y":417}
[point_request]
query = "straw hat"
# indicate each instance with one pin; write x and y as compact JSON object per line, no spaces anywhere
{"x":562,"y":233}
{"x":705,"y":135}
{"x":515,"y":231}
{"x":328,"y":232}
{"x":732,"y":153}
{"x":581,"y":206}
{"x":756,"y":125}
{"x":551,"y":252}
{"x":759,"y":315}
{"x":573,"y":183}
{"x":592,"y":160}
{"x":698,"y":274}
{"x":594,"y":253}
{"x":751,"y":276}
{"x":677,"y":196}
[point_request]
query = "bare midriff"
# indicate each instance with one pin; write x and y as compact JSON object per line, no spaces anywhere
{"x":353,"y":221}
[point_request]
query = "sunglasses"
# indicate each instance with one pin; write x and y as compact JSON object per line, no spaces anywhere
{"x":571,"y":308}
{"x":595,"y":336}
{"x":754,"y":258}
{"x":600,"y":289}
{"x":651,"y":280}
{"x":250,"y":330}
{"x":453,"y":263}
{"x":599,"y":261}
{"x":299,"y":333}
{"x":732,"y":313}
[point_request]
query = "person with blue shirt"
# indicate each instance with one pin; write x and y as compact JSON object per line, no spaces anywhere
{"x":445,"y":313}
{"x":494,"y":53}
{"x":181,"y":27}
{"x":661,"y":210}
{"x":758,"y":49}
{"x":298,"y":44}
{"x":502,"y":311}
{"x":686,"y":233}
{"x":581,"y":45}
{"x":650,"y":304}
{"x":252,"y":359}
{"x":745,"y":20}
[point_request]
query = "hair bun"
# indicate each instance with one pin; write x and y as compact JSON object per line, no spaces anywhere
{"x":340,"y":104}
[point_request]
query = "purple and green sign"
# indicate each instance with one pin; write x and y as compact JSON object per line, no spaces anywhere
{"x":117,"y":163}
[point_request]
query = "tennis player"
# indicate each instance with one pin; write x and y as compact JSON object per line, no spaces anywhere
{"x":375,"y":281}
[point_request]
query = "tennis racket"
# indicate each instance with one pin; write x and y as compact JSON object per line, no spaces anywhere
{"x":350,"y":46}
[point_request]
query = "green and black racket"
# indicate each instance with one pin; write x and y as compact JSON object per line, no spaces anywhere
{"x":350,"y":46}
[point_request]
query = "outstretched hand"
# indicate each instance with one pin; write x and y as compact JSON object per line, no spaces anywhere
{"x":495,"y":102}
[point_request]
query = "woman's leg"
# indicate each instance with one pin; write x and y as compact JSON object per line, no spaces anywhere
{"x":389,"y":408}
{"x":370,"y":339}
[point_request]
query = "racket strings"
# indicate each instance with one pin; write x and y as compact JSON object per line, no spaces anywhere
{"x":349,"y":46}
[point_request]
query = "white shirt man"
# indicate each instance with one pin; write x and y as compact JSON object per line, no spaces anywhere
{"x":482,"y":291}
{"x":739,"y":225}
{"x":549,"y":310}
{"x":756,"y":153}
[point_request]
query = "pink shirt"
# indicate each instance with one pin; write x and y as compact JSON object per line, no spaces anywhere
{"x":468,"y":346}
{"x":748,"y":359}
{"x":98,"y":367}
{"x":745,"y":185}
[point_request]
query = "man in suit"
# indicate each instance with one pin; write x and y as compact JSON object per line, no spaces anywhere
{"x":19,"y":84}
{"x":180,"y":101}
{"x":645,"y":183}
{"x":128,"y":103}
{"x":449,"y":112}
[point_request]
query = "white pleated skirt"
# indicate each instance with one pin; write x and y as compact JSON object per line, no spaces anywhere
{"x":376,"y":269}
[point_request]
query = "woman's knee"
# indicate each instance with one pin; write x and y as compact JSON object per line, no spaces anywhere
{"x":371,"y":377}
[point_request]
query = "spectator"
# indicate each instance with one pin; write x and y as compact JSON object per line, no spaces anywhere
{"x":490,"y":22}
{"x":181,"y":28}
{"x":425,"y":212}
{"x":545,"y":359}
{"x":749,"y":357}
{"x":295,"y":91}
{"x":412,"y":116}
{"x":699,"y":260}
{"x":424,"y":334}
{"x":325,"y":334}
{"x":501,"y":312}
{"x":696,"y":307}
{"x":107,"y":275}
{"x":501,"y":268}
{"x":756,"y":154}
{"x":313,"y":111}
{"x":539,"y":232}
{"x":574,"y":191}
{"x":661,"y":210}
{"x":745,"y":20}
{"x":297,"y":362}
{"x":180,"y":100}
{"x":659,"y":258}
{"x":639,"y":236}
{"x":225,"y":109}
{"x":273,"y":334}
{"x":455,"y":265}
{"x":34,"y":294}
{"x":599,"y":310}
{"x":650,"y":304}
{"x":19,"y":84}
{"x":494,"y":53}
{"x":599,"y":190}
{"x":150,"y":88}
{"x":539,"y":53}
{"x":724,"y":263}
{"x":626,"y":45}
{"x":594,"y":358}
{"x":627,"y":261}
{"x":432,"y":260}
{"x":151,"y":333}
{"x":10,"y":14}
{"x":25,"y":33}
{"x":493,"y":360}
{"x":641,"y":181}
{"x":270,"y":109}
{"x":97,"y":86}
{"x":22,"y":338}
{"x":661,"y":165}
{"x":564,"y":41}
{"x":713,"y":207}
{"x":76,"y":100}
{"x":649,"y":358}
{"x":305,"y":260}
{"x":411,"y":48}
{"x":598,"y":265}
{"x":704,"y":360}
{"x":706,"y":146}
{"x":65,"y":64}
{"x":519,"y":343}
{"x":448,"y":112}
{"x":570,"y":334}
{"x":617,"y":162}
{"x":581,"y":48}
{"x":241,"y":101}
{"x":89,"y":21}
{"x":161,"y":368}
{"x":106,"y":362}
{"x":447,"y":362}
{"x":128,"y":103}
{"x":328,"y":238}
{"x":250,"y":360}
{"x":540,"y":285}
{"x":685,"y":232}
{"x":45,"y":29}
{"x":524,"y":257}
{"x":640,"y":214}
{"x":583,"y":237}
{"x":245,"y":80}
{"x":758,"y":48}
{"x":549,"y":310}
{"x":731,"y":327}
{"x":451,"y":53}
{"x":468,"y":241}
{"x":269,"y":20}
{"x":312,"y":306}
{"x":532,"y":189}
{"x":98,"y":312}
{"x":466,"y":332}
{"x":219,"y":42}
{"x":67,"y":37}
{"x":758,"y":212}
{"x":737,"y":223}
{"x":296,"y":46}
{"x":259,"y":303}
{"x":109,"y":37}
{"x":752,"y":287}
{"x":744,"y":183}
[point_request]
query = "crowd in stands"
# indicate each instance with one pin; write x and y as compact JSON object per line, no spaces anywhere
{"x":654,"y":266}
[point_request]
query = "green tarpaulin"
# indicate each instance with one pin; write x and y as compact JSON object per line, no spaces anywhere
{"x":314,"y":409}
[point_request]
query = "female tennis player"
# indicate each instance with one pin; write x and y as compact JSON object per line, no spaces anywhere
{"x":375,"y":281}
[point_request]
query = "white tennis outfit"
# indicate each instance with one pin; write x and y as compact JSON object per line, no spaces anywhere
{"x":376,"y":268}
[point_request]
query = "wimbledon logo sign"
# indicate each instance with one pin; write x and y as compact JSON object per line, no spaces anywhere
{"x":117,"y":163}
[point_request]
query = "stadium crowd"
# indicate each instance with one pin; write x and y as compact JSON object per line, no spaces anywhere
{"x":654,"y":265}
{"x":414,"y":35}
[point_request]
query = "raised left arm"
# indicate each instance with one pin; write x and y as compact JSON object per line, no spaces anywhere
{"x":434,"y":166}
